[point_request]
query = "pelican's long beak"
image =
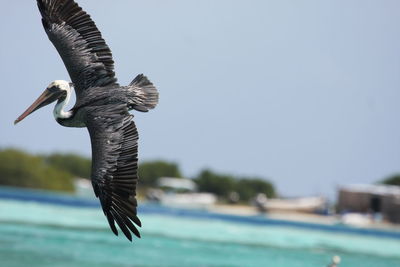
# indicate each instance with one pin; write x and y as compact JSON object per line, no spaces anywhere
{"x":44,"y":99}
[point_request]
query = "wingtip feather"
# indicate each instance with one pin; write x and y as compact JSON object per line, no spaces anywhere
{"x":111,"y":223}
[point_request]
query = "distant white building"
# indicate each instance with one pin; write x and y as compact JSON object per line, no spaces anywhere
{"x":177,"y":183}
{"x":365,"y":198}
{"x":181,"y":192}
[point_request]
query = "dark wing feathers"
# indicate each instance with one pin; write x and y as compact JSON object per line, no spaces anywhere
{"x":86,"y":55}
{"x":114,"y":165}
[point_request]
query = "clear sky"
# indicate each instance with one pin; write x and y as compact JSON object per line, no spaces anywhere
{"x":304,"y":93}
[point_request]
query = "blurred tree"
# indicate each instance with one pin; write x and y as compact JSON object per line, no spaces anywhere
{"x":392,"y":180}
{"x":150,"y":171}
{"x":224,"y":185}
{"x":23,"y":170}
{"x":248,"y":188}
{"x":219,"y":184}
{"x":76,"y":165}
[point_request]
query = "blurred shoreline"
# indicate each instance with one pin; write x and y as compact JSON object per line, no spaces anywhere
{"x":334,"y":219}
{"x":236,"y":212}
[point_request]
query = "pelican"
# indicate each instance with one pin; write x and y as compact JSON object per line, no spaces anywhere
{"x":102,"y":106}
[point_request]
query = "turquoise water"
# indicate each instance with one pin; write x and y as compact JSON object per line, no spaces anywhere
{"x":37,"y":234}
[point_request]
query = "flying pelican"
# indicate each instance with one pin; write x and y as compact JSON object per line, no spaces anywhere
{"x":102,"y":105}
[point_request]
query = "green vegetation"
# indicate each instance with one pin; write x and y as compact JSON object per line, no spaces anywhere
{"x":23,"y":170}
{"x":57,"y":171}
{"x":248,"y":187}
{"x":392,"y":180}
{"x":76,"y":165}
{"x":219,"y":184}
{"x":223,"y":185}
{"x":150,"y":171}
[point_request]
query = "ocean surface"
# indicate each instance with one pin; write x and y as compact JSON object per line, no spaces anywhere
{"x":40,"y":229}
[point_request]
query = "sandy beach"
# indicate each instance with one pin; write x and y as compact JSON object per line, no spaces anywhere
{"x":247,"y":210}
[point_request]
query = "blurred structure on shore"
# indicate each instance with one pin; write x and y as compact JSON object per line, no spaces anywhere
{"x":180,"y":192}
{"x":380,"y":202}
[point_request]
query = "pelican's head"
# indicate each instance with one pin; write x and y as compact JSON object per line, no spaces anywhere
{"x":56,"y":90}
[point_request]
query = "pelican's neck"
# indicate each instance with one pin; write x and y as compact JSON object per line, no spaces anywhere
{"x":59,"y":112}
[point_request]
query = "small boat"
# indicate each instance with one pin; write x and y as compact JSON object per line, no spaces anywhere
{"x":303,"y":204}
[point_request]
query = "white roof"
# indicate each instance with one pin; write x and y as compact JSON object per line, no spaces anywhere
{"x":177,"y":183}
{"x":373,"y":189}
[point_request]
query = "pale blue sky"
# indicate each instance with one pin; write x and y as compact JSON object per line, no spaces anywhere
{"x":305,"y":93}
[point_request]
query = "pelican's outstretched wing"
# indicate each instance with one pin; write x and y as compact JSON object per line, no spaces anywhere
{"x":114,"y":164}
{"x":86,"y":55}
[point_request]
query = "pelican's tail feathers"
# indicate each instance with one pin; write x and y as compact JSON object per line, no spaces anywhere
{"x":145,"y":94}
